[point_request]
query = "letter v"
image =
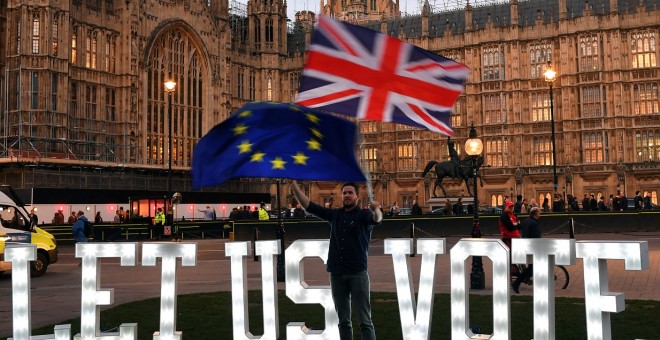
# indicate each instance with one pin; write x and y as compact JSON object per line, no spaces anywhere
{"x":415,"y":320}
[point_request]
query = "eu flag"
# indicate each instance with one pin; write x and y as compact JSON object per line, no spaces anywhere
{"x":272,"y":140}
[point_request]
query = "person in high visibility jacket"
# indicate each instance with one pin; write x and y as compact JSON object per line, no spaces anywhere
{"x":159,"y":222}
{"x":263,"y":214}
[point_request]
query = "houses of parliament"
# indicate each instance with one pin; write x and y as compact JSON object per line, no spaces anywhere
{"x":84,"y":103}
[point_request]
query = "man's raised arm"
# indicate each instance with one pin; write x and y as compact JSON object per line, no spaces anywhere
{"x":378,"y":213}
{"x":300,"y":196}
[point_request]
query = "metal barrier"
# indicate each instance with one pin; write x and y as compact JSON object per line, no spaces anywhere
{"x":255,"y":239}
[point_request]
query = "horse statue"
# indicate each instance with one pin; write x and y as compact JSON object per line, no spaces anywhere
{"x":454,"y":168}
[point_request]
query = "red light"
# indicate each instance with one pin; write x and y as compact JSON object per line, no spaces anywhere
{"x":191,"y":207}
{"x":224,"y":207}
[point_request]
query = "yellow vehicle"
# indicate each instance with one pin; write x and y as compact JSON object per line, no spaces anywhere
{"x":15,"y":227}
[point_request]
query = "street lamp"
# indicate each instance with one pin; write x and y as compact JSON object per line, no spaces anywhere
{"x":170,"y":86}
{"x":474,"y":147}
{"x":550,"y":77}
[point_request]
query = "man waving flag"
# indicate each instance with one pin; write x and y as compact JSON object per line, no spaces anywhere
{"x":358,"y":72}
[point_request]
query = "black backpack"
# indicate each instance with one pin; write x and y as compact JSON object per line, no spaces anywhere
{"x":89,"y":229}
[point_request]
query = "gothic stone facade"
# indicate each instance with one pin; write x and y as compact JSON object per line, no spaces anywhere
{"x":82,"y":91}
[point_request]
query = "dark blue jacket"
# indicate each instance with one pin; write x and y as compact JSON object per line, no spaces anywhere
{"x":78,"y":229}
{"x":531,"y":228}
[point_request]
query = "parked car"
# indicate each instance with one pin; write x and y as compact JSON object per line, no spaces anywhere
{"x":490,"y":210}
{"x":15,"y":227}
{"x":439,"y":211}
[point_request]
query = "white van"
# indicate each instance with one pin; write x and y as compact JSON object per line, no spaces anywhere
{"x":15,"y":227}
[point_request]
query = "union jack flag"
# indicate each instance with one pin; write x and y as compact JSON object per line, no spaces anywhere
{"x":358,"y":72}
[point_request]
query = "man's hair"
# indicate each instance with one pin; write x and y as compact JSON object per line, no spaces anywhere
{"x":351,"y":184}
{"x":80,"y":213}
{"x":534,"y":210}
{"x":637,"y":192}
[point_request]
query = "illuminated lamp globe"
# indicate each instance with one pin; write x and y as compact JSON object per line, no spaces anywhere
{"x":473,"y":146}
{"x":170,"y":86}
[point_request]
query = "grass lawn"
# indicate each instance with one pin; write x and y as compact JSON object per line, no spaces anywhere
{"x":208,"y":316}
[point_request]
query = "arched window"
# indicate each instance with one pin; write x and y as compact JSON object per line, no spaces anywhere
{"x":74,"y":46}
{"x":542,"y":151}
{"x":269,"y":30}
{"x":593,"y":147}
{"x":257,"y":33}
{"x":174,"y":56}
{"x":54,"y":35}
{"x":36,"y":24}
{"x":18,"y":36}
{"x":269,"y":90}
{"x":643,"y":49}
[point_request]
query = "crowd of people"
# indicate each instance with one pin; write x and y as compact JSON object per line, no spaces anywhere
{"x":589,"y":202}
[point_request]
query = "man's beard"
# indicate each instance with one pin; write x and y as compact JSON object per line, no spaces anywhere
{"x":350,"y":205}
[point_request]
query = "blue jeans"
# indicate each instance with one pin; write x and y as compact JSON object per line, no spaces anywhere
{"x":352,"y":287}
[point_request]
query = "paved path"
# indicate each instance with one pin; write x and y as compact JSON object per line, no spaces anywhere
{"x":56,"y":295}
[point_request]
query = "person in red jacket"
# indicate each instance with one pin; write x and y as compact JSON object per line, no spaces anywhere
{"x":508,"y":224}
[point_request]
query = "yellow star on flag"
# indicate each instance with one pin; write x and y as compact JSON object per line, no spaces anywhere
{"x":239,"y":129}
{"x":278,"y":163}
{"x":313,"y":144}
{"x":312,"y":118}
{"x":257,"y":157}
{"x":317,"y":133}
{"x":300,"y":158}
{"x":244,"y":147}
{"x":246,"y":113}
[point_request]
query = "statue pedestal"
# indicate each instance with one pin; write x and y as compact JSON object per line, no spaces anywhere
{"x":439,"y":202}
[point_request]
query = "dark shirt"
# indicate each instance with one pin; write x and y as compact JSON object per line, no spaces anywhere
{"x":647,"y":202}
{"x":298,"y":213}
{"x":517,"y":208}
{"x":623,"y":203}
{"x":638,"y":202}
{"x":458,"y":208}
{"x":350,"y":235}
{"x":530,"y":228}
{"x":416,"y":210}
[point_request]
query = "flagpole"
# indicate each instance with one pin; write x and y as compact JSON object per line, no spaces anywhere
{"x":365,"y":169}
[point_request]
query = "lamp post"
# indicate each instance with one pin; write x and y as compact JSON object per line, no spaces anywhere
{"x":550,"y":77}
{"x":473,"y":147}
{"x":170,"y":86}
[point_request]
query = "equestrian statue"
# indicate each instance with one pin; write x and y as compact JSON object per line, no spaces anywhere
{"x":454,"y":168}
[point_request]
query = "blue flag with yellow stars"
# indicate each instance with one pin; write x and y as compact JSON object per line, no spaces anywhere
{"x":272,"y":140}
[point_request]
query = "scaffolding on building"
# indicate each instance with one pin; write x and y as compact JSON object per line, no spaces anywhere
{"x":238,"y":21}
{"x":32,"y":133}
{"x":439,"y":6}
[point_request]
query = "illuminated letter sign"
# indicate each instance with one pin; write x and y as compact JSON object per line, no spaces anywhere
{"x":415,"y":322}
{"x":92,"y":296}
{"x":299,"y":292}
{"x":20,"y":257}
{"x":545,"y":253}
{"x":241,"y":323}
{"x":599,"y":301}
{"x":169,"y":252}
{"x":498,"y":253}
{"x":415,"y":316}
